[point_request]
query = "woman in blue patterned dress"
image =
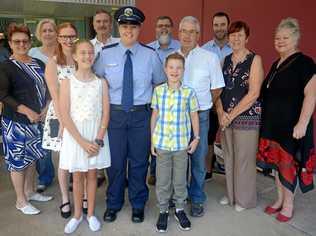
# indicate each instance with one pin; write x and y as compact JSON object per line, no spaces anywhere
{"x":24,"y":94}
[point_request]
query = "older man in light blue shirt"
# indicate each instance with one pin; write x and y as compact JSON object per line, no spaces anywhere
{"x":203,"y":73}
{"x":165,"y":44}
{"x":131,"y":70}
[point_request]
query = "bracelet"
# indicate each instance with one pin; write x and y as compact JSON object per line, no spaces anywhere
{"x":103,"y":127}
{"x":197,"y":137}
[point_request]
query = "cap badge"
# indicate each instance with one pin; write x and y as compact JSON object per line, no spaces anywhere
{"x":128,"y":12}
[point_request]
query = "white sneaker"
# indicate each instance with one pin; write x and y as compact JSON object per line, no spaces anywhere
{"x":239,"y":208}
{"x":39,"y":197}
{"x":224,"y":201}
{"x":28,"y":209}
{"x":72,"y":225}
{"x":94,"y":223}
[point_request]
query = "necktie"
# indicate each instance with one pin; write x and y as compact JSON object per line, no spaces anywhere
{"x":127,"y":93}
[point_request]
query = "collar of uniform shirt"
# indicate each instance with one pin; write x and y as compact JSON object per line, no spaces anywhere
{"x":133,"y":49}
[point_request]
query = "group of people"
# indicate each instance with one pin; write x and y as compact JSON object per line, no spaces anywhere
{"x":110,"y":102}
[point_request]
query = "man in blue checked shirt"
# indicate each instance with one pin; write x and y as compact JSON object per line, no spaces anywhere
{"x":131,"y":69}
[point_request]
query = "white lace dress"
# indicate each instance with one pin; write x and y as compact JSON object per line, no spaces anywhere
{"x":51,"y":142}
{"x":86,"y":113}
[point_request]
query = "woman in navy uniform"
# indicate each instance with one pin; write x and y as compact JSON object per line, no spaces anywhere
{"x":131,"y":69}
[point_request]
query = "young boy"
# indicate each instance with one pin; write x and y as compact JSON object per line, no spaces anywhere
{"x":174,"y":108}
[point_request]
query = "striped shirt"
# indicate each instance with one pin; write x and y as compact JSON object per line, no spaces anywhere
{"x":173,"y":126}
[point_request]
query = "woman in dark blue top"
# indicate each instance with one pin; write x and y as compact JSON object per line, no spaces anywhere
{"x":24,"y":94}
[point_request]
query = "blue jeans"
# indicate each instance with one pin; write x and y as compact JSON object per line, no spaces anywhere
{"x":45,"y":169}
{"x":198,"y":170}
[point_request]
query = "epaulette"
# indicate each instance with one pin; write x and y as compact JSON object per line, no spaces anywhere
{"x":110,"y":46}
{"x":146,"y":46}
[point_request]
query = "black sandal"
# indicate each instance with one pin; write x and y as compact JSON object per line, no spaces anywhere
{"x":65,"y":214}
{"x":84,"y":209}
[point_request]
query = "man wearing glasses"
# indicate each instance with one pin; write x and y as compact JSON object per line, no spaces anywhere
{"x":203,"y":73}
{"x":164,"y":43}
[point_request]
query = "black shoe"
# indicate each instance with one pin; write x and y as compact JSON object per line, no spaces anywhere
{"x":109,"y":215}
{"x":197,"y":210}
{"x":41,"y":188}
{"x":100,"y":181}
{"x":208,"y":176}
{"x":162,"y":222}
{"x":84,"y":208}
{"x":137,"y":215}
{"x":65,"y":214}
{"x":184,"y":222}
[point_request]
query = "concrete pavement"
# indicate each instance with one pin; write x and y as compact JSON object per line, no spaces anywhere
{"x":218,"y":220}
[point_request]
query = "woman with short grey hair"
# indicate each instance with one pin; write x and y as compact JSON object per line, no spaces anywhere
{"x":286,"y":139}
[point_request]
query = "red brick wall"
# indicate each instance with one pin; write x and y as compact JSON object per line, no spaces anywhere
{"x":262,"y":17}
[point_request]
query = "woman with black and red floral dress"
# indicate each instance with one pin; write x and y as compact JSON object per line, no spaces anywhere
{"x":286,"y":136}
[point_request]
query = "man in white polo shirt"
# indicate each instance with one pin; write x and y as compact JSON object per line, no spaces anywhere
{"x":102,"y":24}
{"x":203,"y":73}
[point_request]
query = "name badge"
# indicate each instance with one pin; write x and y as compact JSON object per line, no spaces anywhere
{"x":111,"y":65}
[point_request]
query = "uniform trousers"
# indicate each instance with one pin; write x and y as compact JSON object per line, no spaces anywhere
{"x":129,"y":139}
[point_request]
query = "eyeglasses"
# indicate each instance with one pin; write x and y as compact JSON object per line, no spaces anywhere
{"x":163,"y":26}
{"x":188,"y":32}
{"x":18,"y":42}
{"x":67,"y":37}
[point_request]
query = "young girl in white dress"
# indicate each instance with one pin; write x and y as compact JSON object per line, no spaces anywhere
{"x":84,"y":109}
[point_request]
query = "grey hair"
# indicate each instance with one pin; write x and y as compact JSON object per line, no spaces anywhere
{"x":192,"y":20}
{"x":291,"y":24}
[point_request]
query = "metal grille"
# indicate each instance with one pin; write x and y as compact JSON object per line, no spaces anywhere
{"x":97,"y":2}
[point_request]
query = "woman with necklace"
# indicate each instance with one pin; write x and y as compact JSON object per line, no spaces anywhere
{"x":286,"y":136}
{"x":46,"y":33}
{"x":24,"y":93}
{"x":239,"y":116}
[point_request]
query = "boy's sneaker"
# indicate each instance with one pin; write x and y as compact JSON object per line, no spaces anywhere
{"x":162,"y":222}
{"x":184,"y":222}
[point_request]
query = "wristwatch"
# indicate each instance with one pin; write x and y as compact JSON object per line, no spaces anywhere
{"x":100,"y":142}
{"x":197,"y":137}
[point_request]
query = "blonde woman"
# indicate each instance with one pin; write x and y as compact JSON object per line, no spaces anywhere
{"x":46,"y":33}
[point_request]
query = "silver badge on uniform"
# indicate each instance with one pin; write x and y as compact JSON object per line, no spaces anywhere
{"x":128,"y":12}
